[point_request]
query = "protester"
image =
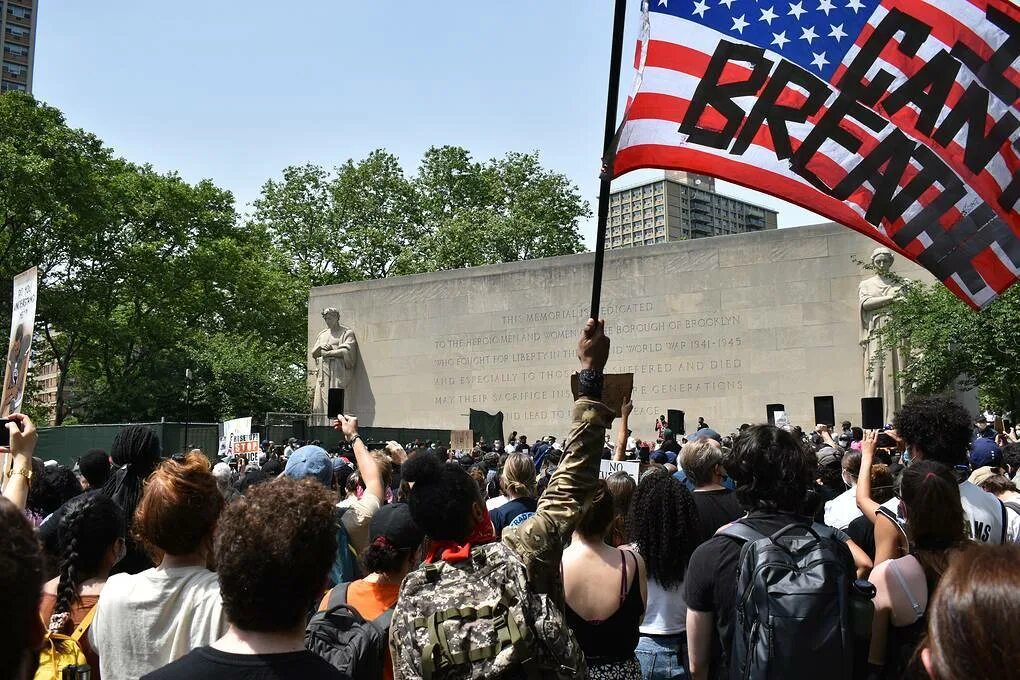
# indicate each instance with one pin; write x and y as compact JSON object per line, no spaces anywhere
{"x":221,"y":472}
{"x":518,"y":579}
{"x":717,"y":506}
{"x":842,"y":510}
{"x":862,"y":530}
{"x":604,"y":621}
{"x":520,"y":489}
{"x":392,"y":554}
{"x":94,"y":468}
{"x":273,"y":554}
{"x":374,"y":478}
{"x":136,"y":451}
{"x":51,"y":488}
{"x":772,"y":472}
{"x":144,"y":621}
{"x":972,"y":625}
{"x":935,"y":527}
{"x":663,"y":526}
{"x":21,"y":580}
{"x":622,"y":486}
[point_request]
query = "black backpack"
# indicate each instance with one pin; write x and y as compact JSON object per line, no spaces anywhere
{"x":342,"y":636}
{"x":793,"y":604}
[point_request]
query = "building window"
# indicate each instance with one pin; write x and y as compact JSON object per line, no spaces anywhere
{"x":15,"y":69}
{"x":17,"y":31}
{"x":20,"y":12}
{"x":17,"y":50}
{"x":6,"y":86}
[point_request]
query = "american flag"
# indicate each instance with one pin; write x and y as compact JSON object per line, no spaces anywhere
{"x":897,"y":118}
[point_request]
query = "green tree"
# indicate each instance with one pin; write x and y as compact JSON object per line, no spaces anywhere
{"x":949,"y":340}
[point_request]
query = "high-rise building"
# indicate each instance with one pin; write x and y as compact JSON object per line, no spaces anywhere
{"x":679,"y":206}
{"x":17,"y":40}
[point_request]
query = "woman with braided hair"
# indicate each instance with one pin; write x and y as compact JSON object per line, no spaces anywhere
{"x":136,"y":451}
{"x":663,"y":526}
{"x":91,"y":540}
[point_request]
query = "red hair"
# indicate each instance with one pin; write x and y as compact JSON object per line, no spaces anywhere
{"x":180,"y":506}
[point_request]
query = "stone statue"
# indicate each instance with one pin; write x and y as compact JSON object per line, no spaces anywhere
{"x":336,"y":354}
{"x":880,"y":365}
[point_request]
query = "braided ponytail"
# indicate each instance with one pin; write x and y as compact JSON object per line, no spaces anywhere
{"x":91,"y":523}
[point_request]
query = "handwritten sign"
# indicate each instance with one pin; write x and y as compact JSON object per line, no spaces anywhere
{"x":631,"y":467}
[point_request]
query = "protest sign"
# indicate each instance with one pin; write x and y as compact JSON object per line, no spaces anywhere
{"x":232,"y":429}
{"x":462,"y":440}
{"x":19,"y":346}
{"x":246,"y":445}
{"x":631,"y":467}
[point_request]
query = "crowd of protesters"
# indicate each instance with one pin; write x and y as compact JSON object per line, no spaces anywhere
{"x":517,"y":560}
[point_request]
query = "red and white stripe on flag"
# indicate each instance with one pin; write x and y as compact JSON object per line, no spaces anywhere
{"x":897,"y":118}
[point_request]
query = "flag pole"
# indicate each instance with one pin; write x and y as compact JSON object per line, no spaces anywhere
{"x":612,"y":101}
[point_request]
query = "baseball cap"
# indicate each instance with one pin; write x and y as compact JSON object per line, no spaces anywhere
{"x":393,"y":524}
{"x":706,"y":433}
{"x":310,"y":461}
{"x":985,"y":452}
{"x":658,"y":457}
{"x":827,"y":456}
{"x":983,"y":474}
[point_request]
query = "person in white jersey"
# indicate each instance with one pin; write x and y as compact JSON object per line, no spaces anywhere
{"x":939,"y":429}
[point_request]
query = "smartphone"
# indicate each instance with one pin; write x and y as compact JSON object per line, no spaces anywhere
{"x":1000,"y":426}
{"x":5,"y":436}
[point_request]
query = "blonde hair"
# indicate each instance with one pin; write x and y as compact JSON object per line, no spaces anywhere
{"x":699,"y":459}
{"x":518,"y":477}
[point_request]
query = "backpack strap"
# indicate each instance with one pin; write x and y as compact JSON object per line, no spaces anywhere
{"x":1013,"y":505}
{"x":85,"y":623}
{"x":891,"y":516}
{"x":740,"y":532}
{"x":338,"y":596}
{"x":1005,"y":523}
{"x":382,"y":622}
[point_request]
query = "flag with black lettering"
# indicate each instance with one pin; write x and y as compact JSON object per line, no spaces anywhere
{"x":897,"y":118}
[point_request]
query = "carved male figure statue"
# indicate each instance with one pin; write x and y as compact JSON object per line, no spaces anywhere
{"x":880,"y":366}
{"x":336,"y":354}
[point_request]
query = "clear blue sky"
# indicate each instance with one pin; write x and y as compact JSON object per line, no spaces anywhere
{"x":237,"y":90}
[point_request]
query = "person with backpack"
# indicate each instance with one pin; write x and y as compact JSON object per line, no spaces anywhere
{"x":91,"y":541}
{"x":479,"y":608}
{"x":935,"y":528}
{"x":273,"y":554}
{"x":773,"y":561}
{"x":356,"y":616}
{"x":521,"y":491}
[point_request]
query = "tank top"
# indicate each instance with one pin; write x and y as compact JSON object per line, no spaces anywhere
{"x":614,"y":638}
{"x":901,"y":641}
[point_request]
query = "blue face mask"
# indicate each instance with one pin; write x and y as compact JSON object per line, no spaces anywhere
{"x":906,"y":458}
{"x":729,"y":483}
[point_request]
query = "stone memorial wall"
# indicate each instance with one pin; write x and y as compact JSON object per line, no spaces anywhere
{"x":715,"y":327}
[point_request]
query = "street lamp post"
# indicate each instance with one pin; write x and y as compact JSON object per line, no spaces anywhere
{"x":187,"y":402}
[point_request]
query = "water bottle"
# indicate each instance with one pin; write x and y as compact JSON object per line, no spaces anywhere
{"x":862,"y":612}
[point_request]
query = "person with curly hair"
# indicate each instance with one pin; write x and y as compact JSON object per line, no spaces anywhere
{"x":394,"y":552}
{"x":91,"y":540}
{"x":972,"y":625}
{"x":604,"y":620}
{"x":772,"y":471}
{"x":663,"y":526}
{"x":144,"y":621}
{"x":937,"y":429}
{"x":136,"y":450}
{"x":21,"y":580}
{"x":273,"y":549}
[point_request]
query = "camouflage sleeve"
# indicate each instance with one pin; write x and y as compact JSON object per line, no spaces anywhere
{"x":539,"y":540}
{"x":406,"y":662}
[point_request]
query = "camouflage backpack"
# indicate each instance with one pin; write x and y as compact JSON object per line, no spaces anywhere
{"x":478,"y":619}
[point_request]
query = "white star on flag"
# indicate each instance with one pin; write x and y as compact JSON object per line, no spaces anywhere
{"x":739,"y":24}
{"x":797,"y":9}
{"x":767,"y":15}
{"x":808,"y":34}
{"x":826,"y":6}
{"x":837,"y":32}
{"x":780,"y":39}
{"x":819,"y":60}
{"x":700,"y":8}
{"x":855,"y":5}
{"x":663,"y":3}
{"x":728,"y":3}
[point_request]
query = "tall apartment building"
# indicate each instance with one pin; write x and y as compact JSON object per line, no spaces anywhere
{"x":679,"y":206}
{"x":17,"y":44}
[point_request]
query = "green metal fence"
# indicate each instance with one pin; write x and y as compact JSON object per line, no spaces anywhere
{"x":67,"y":443}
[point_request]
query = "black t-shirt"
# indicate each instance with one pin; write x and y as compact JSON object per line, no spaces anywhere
{"x":716,"y":508}
{"x":862,"y":532}
{"x":206,"y":663}
{"x":504,"y":515}
{"x":711,"y":581}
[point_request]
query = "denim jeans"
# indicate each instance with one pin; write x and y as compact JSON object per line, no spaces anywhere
{"x":662,"y":657}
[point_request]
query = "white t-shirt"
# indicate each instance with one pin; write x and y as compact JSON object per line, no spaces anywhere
{"x":144,"y":621}
{"x":496,"y":502}
{"x":842,"y":509}
{"x":982,"y":511}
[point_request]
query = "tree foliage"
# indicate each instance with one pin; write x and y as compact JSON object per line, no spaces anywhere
{"x":950,"y":341}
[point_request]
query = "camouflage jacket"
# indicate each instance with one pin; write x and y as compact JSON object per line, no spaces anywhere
{"x":505,"y":603}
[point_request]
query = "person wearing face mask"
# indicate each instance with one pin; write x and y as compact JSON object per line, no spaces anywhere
{"x":842,"y":510}
{"x":91,"y":542}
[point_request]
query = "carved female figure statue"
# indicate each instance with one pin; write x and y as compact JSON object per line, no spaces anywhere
{"x":880,"y":365}
{"x":336,"y":354}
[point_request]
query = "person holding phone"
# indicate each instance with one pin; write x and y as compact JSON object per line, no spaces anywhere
{"x":23,"y":437}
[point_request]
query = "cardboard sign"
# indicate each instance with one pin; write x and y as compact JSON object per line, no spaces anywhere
{"x":462,"y":440}
{"x":246,"y":445}
{"x":631,"y":467}
{"x":616,"y":389}
{"x":19,"y":345}
{"x":232,"y":429}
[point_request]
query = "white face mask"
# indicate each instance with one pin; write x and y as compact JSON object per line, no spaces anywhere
{"x":847,"y":479}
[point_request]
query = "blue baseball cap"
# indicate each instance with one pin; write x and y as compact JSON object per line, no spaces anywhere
{"x":310,"y":461}
{"x":985,"y":453}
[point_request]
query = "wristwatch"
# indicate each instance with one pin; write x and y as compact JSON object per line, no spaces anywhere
{"x":355,"y":438}
{"x":589,"y":383}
